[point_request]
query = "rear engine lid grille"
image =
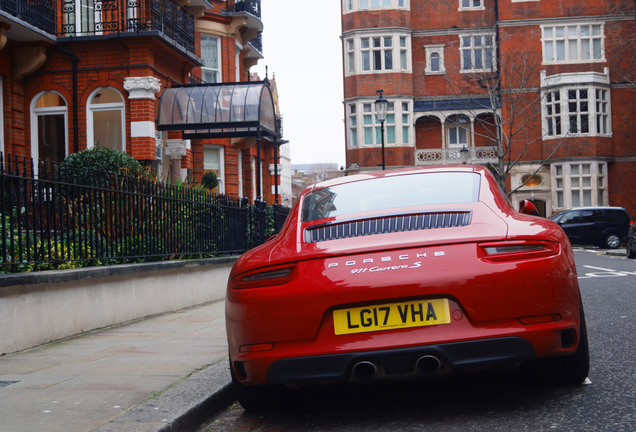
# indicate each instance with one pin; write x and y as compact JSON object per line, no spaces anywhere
{"x":387,"y":224}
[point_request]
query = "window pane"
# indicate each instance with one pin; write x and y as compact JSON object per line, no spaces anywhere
{"x":366,"y":64}
{"x":388,"y":60}
{"x":467,"y":61}
{"x":390,"y":134}
{"x":560,"y":47}
{"x":549,"y":51}
{"x":435,"y":62}
{"x":572,"y":50}
{"x":597,"y":49}
{"x":368,"y":136}
{"x":51,"y":137}
{"x":478,"y":60}
{"x":107,"y":129}
{"x":377,"y":60}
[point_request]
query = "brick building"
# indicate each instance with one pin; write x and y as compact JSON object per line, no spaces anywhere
{"x":541,"y":92}
{"x":75,"y":74}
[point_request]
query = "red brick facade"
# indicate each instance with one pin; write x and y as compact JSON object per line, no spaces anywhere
{"x":120,"y":77}
{"x":560,"y":74}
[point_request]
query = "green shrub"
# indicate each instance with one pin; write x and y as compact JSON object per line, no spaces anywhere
{"x":210,"y":180}
{"x":91,"y":166}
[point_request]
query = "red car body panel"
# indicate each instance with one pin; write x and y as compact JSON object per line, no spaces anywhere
{"x":529,"y":296}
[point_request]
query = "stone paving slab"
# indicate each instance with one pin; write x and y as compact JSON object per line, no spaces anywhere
{"x":157,"y":374}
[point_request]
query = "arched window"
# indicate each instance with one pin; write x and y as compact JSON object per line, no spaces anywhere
{"x":105,"y":120}
{"x":49,"y":127}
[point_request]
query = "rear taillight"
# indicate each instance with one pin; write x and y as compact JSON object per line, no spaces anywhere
{"x":509,"y":251}
{"x":264,"y":277}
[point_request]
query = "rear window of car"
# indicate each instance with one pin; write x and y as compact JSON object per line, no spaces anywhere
{"x":391,"y":193}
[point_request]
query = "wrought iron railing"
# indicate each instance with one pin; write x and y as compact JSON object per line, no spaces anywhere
{"x":251,"y":6}
{"x":100,"y":17}
{"x":53,"y":219}
{"x":257,"y":42}
{"x":478,"y":155}
{"x":38,"y":13}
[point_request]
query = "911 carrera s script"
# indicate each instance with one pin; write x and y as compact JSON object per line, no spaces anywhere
{"x":383,"y":263}
{"x":391,"y":316}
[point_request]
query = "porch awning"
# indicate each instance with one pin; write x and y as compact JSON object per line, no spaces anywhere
{"x":223,"y":110}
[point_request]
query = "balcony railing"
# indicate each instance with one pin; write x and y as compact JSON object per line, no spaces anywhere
{"x":38,"y":13}
{"x":251,"y":6}
{"x":102,"y":17}
{"x":443,"y":156}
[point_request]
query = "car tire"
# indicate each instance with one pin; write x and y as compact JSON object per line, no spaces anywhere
{"x":567,"y":370}
{"x":258,"y":397}
{"x":631,"y":252}
{"x":611,"y":241}
{"x":574,"y":369}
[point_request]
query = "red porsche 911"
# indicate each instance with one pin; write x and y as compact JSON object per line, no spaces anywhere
{"x":403,"y":274}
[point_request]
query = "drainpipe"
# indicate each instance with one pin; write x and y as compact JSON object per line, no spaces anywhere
{"x":74,"y":62}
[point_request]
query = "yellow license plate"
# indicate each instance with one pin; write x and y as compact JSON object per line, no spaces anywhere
{"x":391,"y":316}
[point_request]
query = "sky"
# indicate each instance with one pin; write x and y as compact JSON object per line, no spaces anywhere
{"x":302,"y":50}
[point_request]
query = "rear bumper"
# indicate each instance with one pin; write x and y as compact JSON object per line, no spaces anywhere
{"x":497,"y":352}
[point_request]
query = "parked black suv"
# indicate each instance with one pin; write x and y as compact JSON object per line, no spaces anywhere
{"x":631,"y":242}
{"x":602,"y":226}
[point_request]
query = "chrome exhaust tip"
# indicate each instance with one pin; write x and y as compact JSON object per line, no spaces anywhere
{"x":428,"y":364}
{"x":364,"y":370}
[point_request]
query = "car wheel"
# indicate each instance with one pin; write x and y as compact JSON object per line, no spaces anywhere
{"x":257,"y":397}
{"x":631,"y":252}
{"x":612,"y":241}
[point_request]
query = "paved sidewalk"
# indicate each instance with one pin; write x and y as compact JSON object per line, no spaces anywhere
{"x":157,"y":374}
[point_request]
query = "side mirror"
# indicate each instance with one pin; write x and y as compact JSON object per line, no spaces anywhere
{"x":526,"y":207}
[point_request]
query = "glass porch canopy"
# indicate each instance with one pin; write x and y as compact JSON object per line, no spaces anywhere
{"x":223,"y":110}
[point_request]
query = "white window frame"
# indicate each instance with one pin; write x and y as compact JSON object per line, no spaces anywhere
{"x":237,"y":62}
{"x":216,"y":71}
{"x":484,"y":48}
{"x":400,"y":53}
{"x":567,"y":109}
{"x":221,"y":175}
{"x":438,"y":50}
{"x":572,"y":43}
{"x":352,"y":123}
{"x":397,"y":127}
{"x":36,"y":112}
{"x":349,"y":6}
{"x":93,"y":108}
{"x":574,"y":186}
{"x":471,"y":5}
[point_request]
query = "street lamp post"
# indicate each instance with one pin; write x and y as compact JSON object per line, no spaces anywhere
{"x":464,"y":154}
{"x":381,"y":106}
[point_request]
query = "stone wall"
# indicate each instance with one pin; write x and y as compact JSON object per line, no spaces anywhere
{"x":37,"y":308}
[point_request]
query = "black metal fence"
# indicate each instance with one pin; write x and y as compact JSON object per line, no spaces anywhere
{"x":49,"y":220}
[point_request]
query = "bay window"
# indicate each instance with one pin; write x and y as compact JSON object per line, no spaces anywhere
{"x":377,"y":54}
{"x":575,"y":43}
